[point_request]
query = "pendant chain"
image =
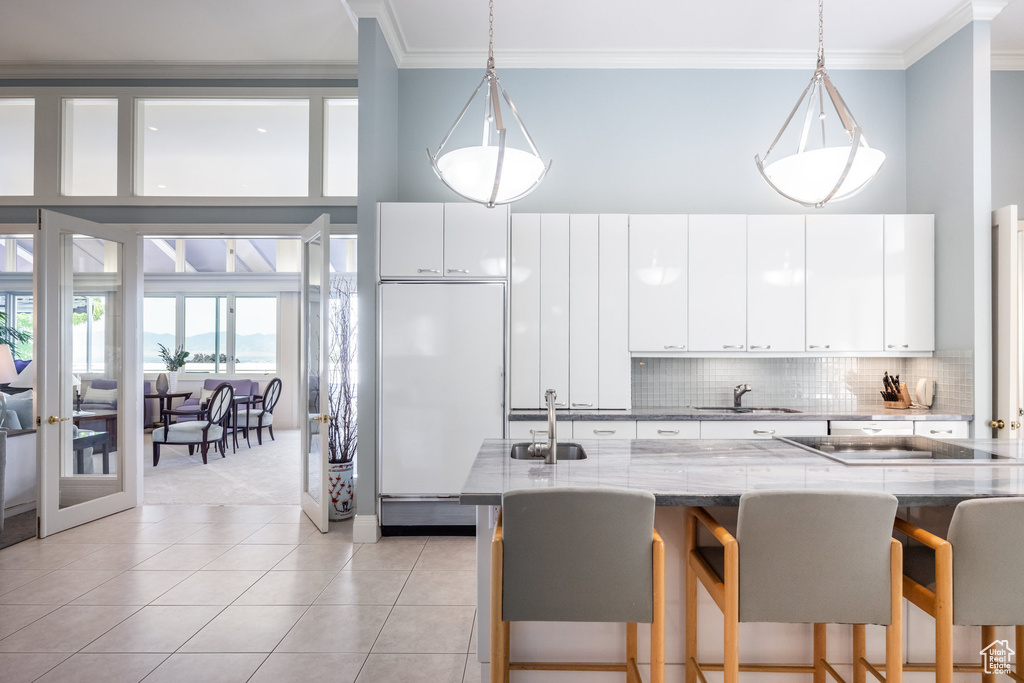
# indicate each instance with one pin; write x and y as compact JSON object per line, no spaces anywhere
{"x":821,"y":33}
{"x":490,"y":35}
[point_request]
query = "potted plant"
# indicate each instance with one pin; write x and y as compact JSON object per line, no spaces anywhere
{"x":342,"y":430}
{"x":173,"y":361}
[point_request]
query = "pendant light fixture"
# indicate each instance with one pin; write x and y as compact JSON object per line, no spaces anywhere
{"x":816,"y":176}
{"x":490,"y":173}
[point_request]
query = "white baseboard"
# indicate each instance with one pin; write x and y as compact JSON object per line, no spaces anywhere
{"x":365,"y":529}
{"x":18,"y":509}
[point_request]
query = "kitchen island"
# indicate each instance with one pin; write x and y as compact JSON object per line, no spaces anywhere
{"x":684,"y":473}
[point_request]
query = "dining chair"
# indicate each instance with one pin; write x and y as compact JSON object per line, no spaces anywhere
{"x":206,"y":427}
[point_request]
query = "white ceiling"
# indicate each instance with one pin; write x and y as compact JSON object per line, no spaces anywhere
{"x":37,"y":34}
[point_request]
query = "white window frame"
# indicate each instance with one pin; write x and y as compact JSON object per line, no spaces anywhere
{"x":49,"y":126}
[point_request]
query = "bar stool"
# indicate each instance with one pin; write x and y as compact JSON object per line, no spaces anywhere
{"x":589,"y":555}
{"x":800,"y":557}
{"x":975,"y":577}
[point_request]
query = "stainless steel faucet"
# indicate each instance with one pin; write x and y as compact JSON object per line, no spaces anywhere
{"x":737,"y":394}
{"x":550,"y":449}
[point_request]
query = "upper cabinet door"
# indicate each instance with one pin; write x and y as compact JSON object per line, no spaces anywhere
{"x":718,"y":283}
{"x":411,"y":240}
{"x":844,"y":283}
{"x":583,"y":311}
{"x":554,"y":307}
{"x":910,"y":283}
{"x":524,"y":332}
{"x":657,"y":283}
{"x":775,"y":284}
{"x":475,"y":241}
{"x":614,"y":364}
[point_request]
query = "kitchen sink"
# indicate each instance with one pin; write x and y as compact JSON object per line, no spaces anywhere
{"x":730,"y":409}
{"x":566,"y":451}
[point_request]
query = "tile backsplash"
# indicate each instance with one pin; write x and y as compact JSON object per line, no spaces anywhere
{"x":820,"y":383}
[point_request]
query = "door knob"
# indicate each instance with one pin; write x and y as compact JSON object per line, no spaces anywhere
{"x":996,"y":424}
{"x":53,"y":419}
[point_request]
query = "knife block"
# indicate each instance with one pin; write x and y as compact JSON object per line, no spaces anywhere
{"x":904,"y":401}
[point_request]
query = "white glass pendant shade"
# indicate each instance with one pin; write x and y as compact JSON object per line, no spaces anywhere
{"x":471,"y":172}
{"x":808,"y":177}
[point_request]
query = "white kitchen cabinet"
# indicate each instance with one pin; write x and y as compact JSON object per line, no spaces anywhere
{"x":775,"y":284}
{"x":411,"y":240}
{"x":584,"y":263}
{"x":761,"y":429}
{"x":942,"y":429}
{"x":524,"y":335}
{"x":614,"y":364}
{"x":523,"y":429}
{"x":868,"y":428}
{"x":554,"y":306}
{"x":909,"y":282}
{"x":475,"y":241}
{"x":668,"y":429}
{"x":657,"y":283}
{"x":844,"y":283}
{"x":603,"y":429}
{"x":717,"y":289}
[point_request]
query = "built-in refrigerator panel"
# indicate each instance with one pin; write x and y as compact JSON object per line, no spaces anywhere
{"x":442,"y":384}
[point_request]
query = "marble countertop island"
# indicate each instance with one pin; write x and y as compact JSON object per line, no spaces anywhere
{"x":871,"y":414}
{"x":709,"y":472}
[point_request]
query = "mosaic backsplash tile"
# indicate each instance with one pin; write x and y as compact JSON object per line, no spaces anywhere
{"x":820,"y":383}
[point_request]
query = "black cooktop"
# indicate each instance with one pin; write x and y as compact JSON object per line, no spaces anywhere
{"x":896,"y":450}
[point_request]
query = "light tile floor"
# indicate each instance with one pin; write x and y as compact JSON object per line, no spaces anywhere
{"x":228,"y":594}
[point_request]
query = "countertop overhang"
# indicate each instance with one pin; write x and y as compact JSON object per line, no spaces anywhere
{"x":712,"y":472}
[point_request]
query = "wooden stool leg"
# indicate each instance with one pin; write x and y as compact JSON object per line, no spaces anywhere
{"x":988,"y":636}
{"x":1019,"y":638}
{"x":859,"y":652}
{"x":944,"y":614}
{"x":731,"y":667}
{"x":630,"y":650}
{"x":691,"y":599}
{"x":894,"y":631}
{"x":658,"y":613}
{"x":820,"y":631}
{"x":498,"y":631}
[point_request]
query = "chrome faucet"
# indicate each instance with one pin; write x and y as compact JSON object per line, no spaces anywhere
{"x":550,"y":449}
{"x":737,"y":394}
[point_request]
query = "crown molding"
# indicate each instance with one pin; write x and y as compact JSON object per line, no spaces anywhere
{"x":648,"y":59}
{"x":384,"y":12}
{"x":960,"y":16}
{"x":180,"y":70}
{"x":1008,"y":61}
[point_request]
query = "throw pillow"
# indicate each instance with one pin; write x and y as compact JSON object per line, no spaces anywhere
{"x":100,"y":396}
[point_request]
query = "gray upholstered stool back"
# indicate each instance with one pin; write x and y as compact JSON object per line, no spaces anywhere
{"x":815,"y":557}
{"x":988,"y":562}
{"x":577,"y":555}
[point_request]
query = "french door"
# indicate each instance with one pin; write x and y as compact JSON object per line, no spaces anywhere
{"x":1007,"y":302}
{"x":313,"y":332}
{"x":87,"y":300}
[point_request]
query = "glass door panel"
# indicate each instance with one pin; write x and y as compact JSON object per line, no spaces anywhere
{"x":315,"y":291}
{"x":87,"y":371}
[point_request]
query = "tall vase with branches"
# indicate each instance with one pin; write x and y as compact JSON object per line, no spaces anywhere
{"x":342,"y":426}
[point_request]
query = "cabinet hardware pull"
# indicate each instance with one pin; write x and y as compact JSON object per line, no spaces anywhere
{"x":942,"y":431}
{"x":604,"y":431}
{"x":899,"y":346}
{"x":764,"y":431}
{"x":871,"y":430}
{"x":765,"y":346}
{"x":668,"y":431}
{"x":458,"y":270}
{"x":732,"y":346}
{"x":538,"y":431}
{"x":815,"y":346}
{"x":428,"y":270}
{"x":674,"y":346}
{"x":560,"y":405}
{"x":582,"y":405}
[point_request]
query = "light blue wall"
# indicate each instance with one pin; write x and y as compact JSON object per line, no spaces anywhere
{"x":378,"y":182}
{"x":949,"y":152}
{"x":645,"y":141}
{"x":1007,"y":138}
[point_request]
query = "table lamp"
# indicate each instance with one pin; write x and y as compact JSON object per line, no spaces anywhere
{"x":76,"y":382}
{"x":8,"y":373}
{"x":26,"y":379}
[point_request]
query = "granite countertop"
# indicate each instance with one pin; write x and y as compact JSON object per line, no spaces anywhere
{"x":712,"y":472}
{"x":872,"y":414}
